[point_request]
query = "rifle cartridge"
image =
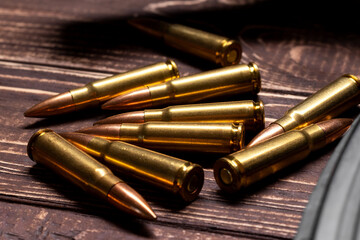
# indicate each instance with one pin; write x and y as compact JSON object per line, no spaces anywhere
{"x":218,"y":49}
{"x":175,"y":136}
{"x":242,"y":168}
{"x":50,"y":149}
{"x":172,"y":174}
{"x":244,"y":78}
{"x":247,"y":112}
{"x":95,"y":93}
{"x":327,"y":103}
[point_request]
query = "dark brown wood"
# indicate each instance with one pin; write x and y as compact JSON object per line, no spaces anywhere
{"x":50,"y":47}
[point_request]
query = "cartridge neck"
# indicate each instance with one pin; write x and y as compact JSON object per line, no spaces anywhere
{"x":316,"y":136}
{"x":154,"y":115}
{"x":291,"y":121}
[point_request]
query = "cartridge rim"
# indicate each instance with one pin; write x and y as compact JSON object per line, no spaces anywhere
{"x":230,"y":53}
{"x":238,"y":137}
{"x":33,"y":138}
{"x":356,"y":79}
{"x":173,"y":68}
{"x":256,"y":78}
{"x":227,"y":175}
{"x":259,"y":115}
{"x":190,"y":181}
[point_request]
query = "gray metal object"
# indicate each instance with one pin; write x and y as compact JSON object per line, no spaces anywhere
{"x":333,"y":211}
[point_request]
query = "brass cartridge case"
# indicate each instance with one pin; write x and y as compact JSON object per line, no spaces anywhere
{"x":242,"y":168}
{"x":172,"y":174}
{"x":99,"y":91}
{"x":326,"y":103}
{"x":50,"y":149}
{"x":175,"y":136}
{"x":215,"y":48}
{"x":225,"y":81}
{"x":94,"y":93}
{"x":247,"y":112}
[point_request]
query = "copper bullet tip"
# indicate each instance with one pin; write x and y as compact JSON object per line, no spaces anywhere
{"x":272,"y":130}
{"x":127,"y":199}
{"x":59,"y":104}
{"x":109,"y":131}
{"x":335,"y":128}
{"x":139,"y":98}
{"x":129,"y":117}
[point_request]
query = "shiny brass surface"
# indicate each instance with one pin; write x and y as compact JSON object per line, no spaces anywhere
{"x":175,"y":136}
{"x":104,"y":89}
{"x":215,"y":48}
{"x":169,"y":173}
{"x":247,"y":112}
{"x":94,"y":93}
{"x":50,"y":149}
{"x":242,"y":168}
{"x":225,"y":81}
{"x":326,"y":103}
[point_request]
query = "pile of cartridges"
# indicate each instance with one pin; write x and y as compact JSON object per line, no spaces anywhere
{"x":123,"y":142}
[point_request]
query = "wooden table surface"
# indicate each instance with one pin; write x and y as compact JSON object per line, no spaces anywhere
{"x":48,"y":47}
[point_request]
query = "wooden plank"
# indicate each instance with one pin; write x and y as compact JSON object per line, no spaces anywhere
{"x":272,"y":208}
{"x":46,"y":48}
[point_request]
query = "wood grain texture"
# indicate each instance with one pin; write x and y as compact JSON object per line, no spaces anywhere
{"x":51,"y":47}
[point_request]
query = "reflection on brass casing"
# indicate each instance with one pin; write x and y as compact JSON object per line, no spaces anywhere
{"x":224,"y":81}
{"x":93,"y":93}
{"x":175,"y":136}
{"x":50,"y":149}
{"x":326,"y":103}
{"x":247,"y":112}
{"x":169,"y":173}
{"x":220,"y":82}
{"x":215,"y":48}
{"x":242,"y":168}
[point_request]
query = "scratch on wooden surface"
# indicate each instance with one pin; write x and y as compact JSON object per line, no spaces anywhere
{"x":53,"y":69}
{"x":45,"y":14}
{"x":83,"y":234}
{"x":12,"y":152}
{"x":13,"y":142}
{"x":277,"y":105}
{"x":41,"y":80}
{"x":291,"y":96}
{"x":42,"y":214}
{"x":28,"y":90}
{"x":298,"y":182}
{"x":156,"y":7}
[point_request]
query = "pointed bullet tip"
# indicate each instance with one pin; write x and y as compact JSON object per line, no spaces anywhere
{"x":127,"y":199}
{"x":272,"y":130}
{"x":59,"y":104}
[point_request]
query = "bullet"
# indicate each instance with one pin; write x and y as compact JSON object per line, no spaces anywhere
{"x":225,"y":81}
{"x":175,"y":136}
{"x":329,"y":102}
{"x":247,"y":112}
{"x":245,"y":167}
{"x":48,"y":148}
{"x":215,"y":48}
{"x":172,"y":174}
{"x":94,"y":93}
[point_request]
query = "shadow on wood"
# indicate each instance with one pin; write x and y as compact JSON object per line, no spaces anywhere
{"x":80,"y":201}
